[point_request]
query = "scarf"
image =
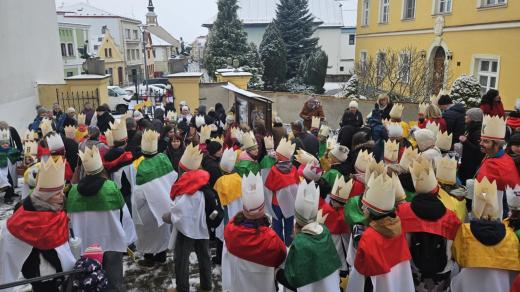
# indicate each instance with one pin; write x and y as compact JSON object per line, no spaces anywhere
{"x":387,"y":226}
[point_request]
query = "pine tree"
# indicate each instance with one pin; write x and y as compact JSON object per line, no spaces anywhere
{"x":296,"y":28}
{"x":351,"y":87}
{"x":227,"y":38}
{"x":274,"y":58}
{"x":466,"y":90}
{"x":315,"y":70}
{"x":254,"y":66}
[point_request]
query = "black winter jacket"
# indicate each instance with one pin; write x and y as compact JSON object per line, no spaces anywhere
{"x":454,"y":117}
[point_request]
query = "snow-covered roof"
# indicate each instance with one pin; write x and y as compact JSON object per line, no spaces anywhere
{"x":165,"y":36}
{"x":86,"y":10}
{"x":235,"y":74}
{"x":87,"y":77}
{"x":232,"y":87}
{"x":157,"y":41}
{"x":251,"y":12}
{"x":349,"y":8}
{"x":185,"y":74}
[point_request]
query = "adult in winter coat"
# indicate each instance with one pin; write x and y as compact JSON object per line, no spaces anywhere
{"x":175,"y":150}
{"x":378,"y":133}
{"x":352,"y":116}
{"x":346,"y":133}
{"x":311,"y":108}
{"x":279,"y":131}
{"x":513,"y":121}
{"x":384,"y":105}
{"x":104,"y":118}
{"x":491,"y":104}
{"x":471,"y":154}
{"x":211,"y":161}
{"x":304,"y":140}
{"x":433,"y":115}
{"x":454,"y":115}
{"x":134,"y":138}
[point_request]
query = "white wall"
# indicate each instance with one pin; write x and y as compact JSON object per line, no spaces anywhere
{"x":347,"y":51}
{"x":29,"y":54}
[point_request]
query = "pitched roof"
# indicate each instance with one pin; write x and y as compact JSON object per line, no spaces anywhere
{"x":162,"y":36}
{"x":349,"y":8}
{"x":86,"y":10}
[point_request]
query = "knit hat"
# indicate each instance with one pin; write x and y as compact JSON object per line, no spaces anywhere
{"x":395,"y":130}
{"x":475,"y":114}
{"x":340,"y":152}
{"x":515,"y":139}
{"x":444,"y":100}
{"x":94,"y":252}
{"x":353,"y":104}
{"x":42,"y":110}
{"x":213,"y":147}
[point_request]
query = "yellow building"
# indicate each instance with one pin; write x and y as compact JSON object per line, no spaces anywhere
{"x":472,"y":37}
{"x":107,"y":50}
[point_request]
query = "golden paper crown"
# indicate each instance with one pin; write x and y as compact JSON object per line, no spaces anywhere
{"x":119,"y":132}
{"x":400,"y":194}
{"x":70,"y":132}
{"x":149,"y":142}
{"x":391,"y":153}
{"x":51,"y":176}
{"x":46,"y":126}
{"x":30,"y":135}
{"x":191,"y":159}
{"x":363,"y":160}
{"x":228,"y":160}
{"x":409,"y":156}
{"x":434,"y":127}
{"x":374,"y":168}
{"x":91,"y":160}
{"x":5,"y":135}
{"x":423,"y":176}
{"x":303,"y":157}
{"x":286,"y":148}
{"x":249,"y":141}
{"x":493,"y":128}
{"x":306,"y":203}
{"x":422,"y":108}
{"x":324,"y":131}
{"x":219,"y":140}
{"x":109,"y":137}
{"x":446,"y":170}
{"x":443,"y":141}
{"x":379,"y":194}
{"x":171,"y":116}
{"x":316,"y":122}
{"x":81,"y":119}
{"x":30,"y":148}
{"x":269,"y":142}
{"x":485,"y":199}
{"x":341,"y":189}
{"x":397,"y":111}
{"x":55,"y":143}
{"x":205,"y":134}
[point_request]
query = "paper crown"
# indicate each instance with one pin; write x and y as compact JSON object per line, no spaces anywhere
{"x":424,"y":138}
{"x":230,"y":118}
{"x":513,"y":197}
{"x":286,"y":148}
{"x":171,"y":116}
{"x":315,"y":122}
{"x":422,"y":108}
{"x":118,"y":129}
{"x":219,"y":140}
{"x":493,"y":128}
{"x":324,"y":131}
{"x":379,"y":194}
{"x":149,"y":142}
{"x":391,"y":153}
{"x":443,"y":141}
{"x":303,"y":157}
{"x":30,"y":148}
{"x":395,"y":130}
{"x":55,"y":143}
{"x":400,"y":195}
{"x":81,"y":119}
{"x":249,"y":141}
{"x":374,"y":167}
{"x":253,"y":201}
{"x":236,"y":133}
{"x":45,"y":126}
{"x":29,"y":135}
{"x":363,"y":159}
{"x":269,"y":142}
{"x":386,"y":122}
{"x":397,"y":111}
{"x":434,"y":127}
{"x":5,"y":135}
{"x":51,"y":176}
{"x":446,"y":170}
{"x":340,"y":152}
{"x":70,"y":132}
{"x":91,"y":160}
{"x":423,"y":176}
{"x":434,"y":99}
{"x":341,"y":189}
{"x":199,"y":121}
{"x":109,"y":137}
{"x":306,"y":203}
{"x":205,"y":134}
{"x":485,"y":200}
{"x":191,"y":159}
{"x":409,"y":156}
{"x":227,"y":162}
{"x":331,"y":143}
{"x":312,"y":171}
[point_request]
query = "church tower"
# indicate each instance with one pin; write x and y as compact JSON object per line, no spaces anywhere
{"x":151,"y":17}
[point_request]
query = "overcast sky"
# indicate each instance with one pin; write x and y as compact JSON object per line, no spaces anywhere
{"x":182,"y":18}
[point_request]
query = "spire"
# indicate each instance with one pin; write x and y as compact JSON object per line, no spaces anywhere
{"x":151,"y":17}
{"x":150,"y":6}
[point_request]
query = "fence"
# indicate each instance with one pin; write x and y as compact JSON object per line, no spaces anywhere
{"x":77,"y":99}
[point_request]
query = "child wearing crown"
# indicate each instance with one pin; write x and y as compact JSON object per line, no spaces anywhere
{"x":8,"y":157}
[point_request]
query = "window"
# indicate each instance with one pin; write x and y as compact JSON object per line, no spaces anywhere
{"x":404,"y":67}
{"x":106,"y":53}
{"x":136,"y":36}
{"x":70,"y":48}
{"x":487,"y":3}
{"x":128,"y":36}
{"x":409,"y":9}
{"x":365,"y":10}
{"x":137,"y":53}
{"x":133,"y":55}
{"x":110,"y":52}
{"x":381,"y":65}
{"x":63,"y":50}
{"x":351,"y":39}
{"x":69,"y":74}
{"x":128,"y":54}
{"x":384,"y":7}
{"x":442,"y":6}
{"x":148,"y":51}
{"x":487,"y":74}
{"x":154,"y":53}
{"x":363,"y":60}
{"x":341,"y":69}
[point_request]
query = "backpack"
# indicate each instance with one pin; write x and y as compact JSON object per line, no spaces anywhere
{"x":428,"y":253}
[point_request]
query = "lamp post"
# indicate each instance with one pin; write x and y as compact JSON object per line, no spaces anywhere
{"x":142,"y":28}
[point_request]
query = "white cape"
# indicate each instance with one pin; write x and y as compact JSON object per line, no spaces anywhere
{"x":286,"y":198}
{"x":483,"y":280}
{"x":188,"y":216}
{"x":399,"y":279}
{"x":329,"y":283}
{"x":129,"y":171}
{"x":9,"y":169}
{"x":232,"y":209}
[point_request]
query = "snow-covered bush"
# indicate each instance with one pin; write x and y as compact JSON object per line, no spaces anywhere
{"x":466,"y":90}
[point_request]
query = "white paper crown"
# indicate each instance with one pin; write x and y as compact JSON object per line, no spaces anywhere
{"x":30,"y":148}
{"x":119,"y":130}
{"x":109,"y":137}
{"x":395,"y":130}
{"x":199,"y":121}
{"x":379,"y":194}
{"x":446,"y":170}
{"x":341,"y":189}
{"x":397,"y":111}
{"x":434,"y":127}
{"x":331,"y":143}
{"x":409,"y":156}
{"x":191,"y":159}
{"x":81,"y":119}
{"x":286,"y":148}
{"x":269,"y":142}
{"x":493,"y":128}
{"x":513,"y":197}
{"x":434,"y":99}
{"x":324,"y":131}
{"x":51,"y":176}
{"x":46,"y":126}
{"x":400,"y":195}
{"x":227,"y":162}
{"x":423,"y":176}
{"x":303,"y":157}
{"x":340,"y":152}
{"x":374,"y":168}
{"x":422,"y":108}
{"x":70,"y":132}
{"x":205,"y":134}
{"x":363,"y":160}
{"x":391,"y":152}
{"x":248,"y":141}
{"x":485,"y":200}
{"x":386,"y":122}
{"x":219,"y":140}
{"x":306,"y":203}
{"x":5,"y":135}
{"x":253,"y":202}
{"x":55,"y":143}
{"x":171,"y":116}
{"x":443,"y":141}
{"x":29,"y":135}
{"x":149,"y":142}
{"x":91,"y":160}
{"x":312,"y":171}
{"x":316,"y":122}
{"x":236,"y":133}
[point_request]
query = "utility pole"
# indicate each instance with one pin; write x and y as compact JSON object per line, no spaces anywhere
{"x":143,"y":27}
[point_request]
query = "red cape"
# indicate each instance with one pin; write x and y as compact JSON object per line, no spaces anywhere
{"x":377,"y":254}
{"x":189,"y":183}
{"x":358,"y":188}
{"x":447,"y":226}
{"x":277,"y":180}
{"x":502,"y":170}
{"x":261,"y":246}
{"x":335,"y":221}
{"x":41,"y":229}
{"x":125,"y":157}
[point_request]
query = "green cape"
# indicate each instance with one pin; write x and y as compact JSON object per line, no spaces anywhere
{"x":12,"y":154}
{"x":107,"y":198}
{"x":152,"y":168}
{"x":322,"y":149}
{"x":330,"y":176}
{"x":243,"y":167}
{"x":267,"y":162}
{"x":354,"y":214}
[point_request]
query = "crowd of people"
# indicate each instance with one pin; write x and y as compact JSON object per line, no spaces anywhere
{"x":382,"y":204}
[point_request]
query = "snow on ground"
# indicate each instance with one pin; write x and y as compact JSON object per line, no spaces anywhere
{"x":332,"y":88}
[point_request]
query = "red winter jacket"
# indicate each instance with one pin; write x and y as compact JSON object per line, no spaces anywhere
{"x":497,"y":110}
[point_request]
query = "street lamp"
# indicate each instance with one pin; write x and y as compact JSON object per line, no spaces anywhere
{"x":142,"y":28}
